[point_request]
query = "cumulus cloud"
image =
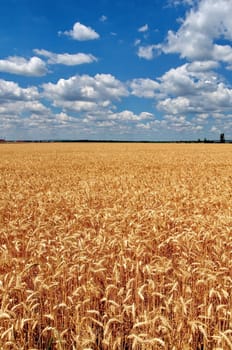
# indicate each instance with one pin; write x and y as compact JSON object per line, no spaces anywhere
{"x":202,"y":27}
{"x":81,"y":32}
{"x":101,"y":87}
{"x":64,"y":118}
{"x":181,"y":124}
{"x":77,"y":106}
{"x":191,"y":89}
{"x":11,"y":91}
{"x":214,"y":129}
{"x":178,"y":82}
{"x":145,"y":126}
{"x":187,"y":96}
{"x":220,"y":98}
{"x":147,"y":88}
{"x":130,"y":116}
{"x":20,"y":66}
{"x":223,"y":53}
{"x":103,"y":18}
{"x":66,"y":58}
{"x":175,"y":105}
{"x":204,"y":34}
{"x":137,"y":42}
{"x":143,"y":28}
{"x":181,"y":2}
{"x":15,"y":100}
{"x":85,"y":105}
{"x":146,"y":52}
{"x":202,"y":66}
{"x":17,"y":105}
{"x":86,"y":93}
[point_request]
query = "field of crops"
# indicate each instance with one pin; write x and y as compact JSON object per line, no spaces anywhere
{"x":116,"y":246}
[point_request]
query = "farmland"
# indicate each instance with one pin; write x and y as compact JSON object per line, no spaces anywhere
{"x":116,"y":246}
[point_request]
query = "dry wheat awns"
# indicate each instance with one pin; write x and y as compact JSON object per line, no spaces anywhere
{"x":115,"y":247}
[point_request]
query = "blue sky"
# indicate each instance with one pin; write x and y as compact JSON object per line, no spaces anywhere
{"x":132,"y":70}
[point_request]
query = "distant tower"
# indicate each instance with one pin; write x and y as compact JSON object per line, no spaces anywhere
{"x":222,"y":138}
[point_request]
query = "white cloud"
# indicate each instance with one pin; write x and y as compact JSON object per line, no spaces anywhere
{"x":181,"y":2}
{"x":86,"y":92}
{"x":190,"y":80}
{"x":17,"y":105}
{"x":130,"y":116}
{"x":64,"y":118}
{"x":146,"y":115}
{"x":20,"y":66}
{"x":146,"y":52}
{"x":11,"y":91}
{"x":220,"y":98}
{"x":15,"y":100}
{"x":223,"y":53}
{"x":214,"y":129}
{"x":178,"y":82}
{"x":202,"y":117}
{"x":202,"y":66}
{"x":106,"y":124}
{"x":76,"y":106}
{"x":191,"y":89}
{"x":181,"y":124}
{"x":137,"y":42}
{"x":143,"y":28}
{"x":103,"y":18}
{"x":65,"y":58}
{"x":196,"y":38}
{"x":145,"y":126}
{"x":175,"y":105}
{"x":196,"y":91}
{"x":147,"y":88}
{"x":193,"y":46}
{"x":81,"y":32}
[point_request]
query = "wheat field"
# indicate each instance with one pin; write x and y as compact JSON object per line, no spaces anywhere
{"x":115,"y":246}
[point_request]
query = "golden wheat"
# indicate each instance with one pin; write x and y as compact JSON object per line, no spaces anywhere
{"x":115,"y":247}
